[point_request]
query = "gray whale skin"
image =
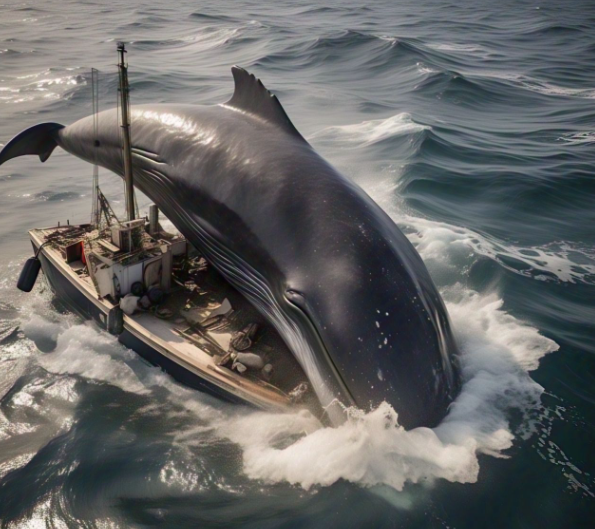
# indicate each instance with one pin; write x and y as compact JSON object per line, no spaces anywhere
{"x":310,"y":249}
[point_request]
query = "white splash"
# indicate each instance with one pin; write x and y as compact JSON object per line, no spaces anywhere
{"x":81,"y":350}
{"x":372,"y":449}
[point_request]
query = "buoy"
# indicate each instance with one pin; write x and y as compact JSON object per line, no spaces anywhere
{"x":137,"y":288}
{"x":155,"y":295}
{"x":29,"y":274}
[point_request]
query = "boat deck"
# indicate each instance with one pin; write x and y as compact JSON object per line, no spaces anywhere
{"x":196,"y":325}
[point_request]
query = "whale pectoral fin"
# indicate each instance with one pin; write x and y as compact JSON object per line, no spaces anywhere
{"x":251,"y":96}
{"x":40,"y":139}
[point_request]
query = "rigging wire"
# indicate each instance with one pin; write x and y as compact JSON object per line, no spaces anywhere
{"x":102,"y":214}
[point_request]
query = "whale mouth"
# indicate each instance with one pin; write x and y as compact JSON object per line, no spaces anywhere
{"x":299,"y":303}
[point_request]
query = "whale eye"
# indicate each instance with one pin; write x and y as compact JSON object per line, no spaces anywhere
{"x":97,"y":143}
{"x":297,"y":298}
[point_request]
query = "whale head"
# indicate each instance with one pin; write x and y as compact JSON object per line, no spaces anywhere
{"x":371,"y":310}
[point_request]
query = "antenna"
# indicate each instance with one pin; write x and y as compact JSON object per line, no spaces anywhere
{"x":126,"y":145}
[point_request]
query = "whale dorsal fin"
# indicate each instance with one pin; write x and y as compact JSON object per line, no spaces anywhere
{"x":251,"y":96}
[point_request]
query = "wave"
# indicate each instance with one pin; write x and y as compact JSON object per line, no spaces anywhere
{"x":475,"y":50}
{"x":550,"y":89}
{"x":395,"y":137}
{"x":207,"y":38}
{"x":449,"y":248}
{"x":334,"y":10}
{"x":548,"y":28}
{"x":578,"y":138}
{"x":56,"y":196}
{"x":370,"y":132}
{"x":205,"y":16}
{"x":460,"y":175}
{"x":357,"y":52}
{"x":48,"y":85}
{"x":539,"y":86}
{"x":475,"y":90}
{"x":558,"y":261}
{"x":9,"y":52}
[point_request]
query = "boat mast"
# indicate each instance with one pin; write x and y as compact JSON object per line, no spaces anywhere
{"x":127,"y":154}
{"x":96,"y":211}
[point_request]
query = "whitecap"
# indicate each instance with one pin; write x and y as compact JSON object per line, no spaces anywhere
{"x":370,"y":132}
{"x":212,"y":37}
{"x":440,"y":242}
{"x":539,"y":86}
{"x":578,"y":138}
{"x":469,"y":49}
{"x":424,"y":69}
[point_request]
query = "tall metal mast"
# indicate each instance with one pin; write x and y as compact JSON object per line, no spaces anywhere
{"x":96,"y":211}
{"x":126,"y":154}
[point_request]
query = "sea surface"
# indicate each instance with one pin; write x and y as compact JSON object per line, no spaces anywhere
{"x":472,"y":123}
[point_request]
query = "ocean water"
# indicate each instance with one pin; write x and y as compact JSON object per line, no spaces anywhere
{"x":471,"y":123}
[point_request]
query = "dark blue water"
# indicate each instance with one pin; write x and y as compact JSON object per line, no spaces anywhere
{"x":471,"y":123}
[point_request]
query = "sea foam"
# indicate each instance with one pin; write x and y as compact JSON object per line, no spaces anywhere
{"x":372,"y":449}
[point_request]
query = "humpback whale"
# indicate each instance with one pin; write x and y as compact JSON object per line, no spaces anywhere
{"x":323,"y":263}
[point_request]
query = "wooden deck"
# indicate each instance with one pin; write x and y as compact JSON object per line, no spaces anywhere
{"x":165,"y":336}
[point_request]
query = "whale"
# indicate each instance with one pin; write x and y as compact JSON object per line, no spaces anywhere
{"x":321,"y":261}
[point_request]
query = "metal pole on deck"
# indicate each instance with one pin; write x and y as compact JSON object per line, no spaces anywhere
{"x":126,"y":145}
{"x":96,"y":211}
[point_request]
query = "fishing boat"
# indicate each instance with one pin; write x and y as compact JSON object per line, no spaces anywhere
{"x":161,"y":298}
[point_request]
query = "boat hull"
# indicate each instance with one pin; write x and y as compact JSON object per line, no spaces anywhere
{"x":79,"y":302}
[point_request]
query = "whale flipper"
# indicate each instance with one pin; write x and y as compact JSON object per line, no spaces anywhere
{"x":251,"y":96}
{"x":40,"y":139}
